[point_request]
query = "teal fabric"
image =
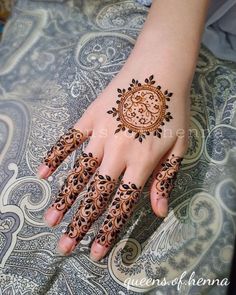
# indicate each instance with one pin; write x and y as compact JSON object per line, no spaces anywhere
{"x":1,"y":27}
{"x":55,"y":58}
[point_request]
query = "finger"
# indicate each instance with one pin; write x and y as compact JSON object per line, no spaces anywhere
{"x":78,"y":177}
{"x":65,"y":145}
{"x":119,"y":211}
{"x":93,"y":205}
{"x":163,"y":182}
{"x":84,"y":167}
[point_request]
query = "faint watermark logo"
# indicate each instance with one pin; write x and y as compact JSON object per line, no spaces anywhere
{"x":179,"y":282}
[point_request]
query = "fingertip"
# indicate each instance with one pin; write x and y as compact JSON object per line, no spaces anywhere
{"x":162,"y":207}
{"x":52,"y":217}
{"x":66,"y":245}
{"x":43,"y":172}
{"x":159,"y":206}
{"x":94,"y":257}
{"x":97,"y":251}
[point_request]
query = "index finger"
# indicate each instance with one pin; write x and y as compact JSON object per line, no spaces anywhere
{"x":64,"y":146}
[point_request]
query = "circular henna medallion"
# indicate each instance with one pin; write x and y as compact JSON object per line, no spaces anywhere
{"x":142,"y":109}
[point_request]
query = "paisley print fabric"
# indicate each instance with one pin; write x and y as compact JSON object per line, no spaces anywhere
{"x":55,"y":58}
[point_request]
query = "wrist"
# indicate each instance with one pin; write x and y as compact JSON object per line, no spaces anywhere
{"x":168,"y":51}
{"x":169,"y":41}
{"x":170,"y":70}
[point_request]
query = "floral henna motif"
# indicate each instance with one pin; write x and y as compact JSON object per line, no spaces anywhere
{"x":120,"y":210}
{"x":142,"y":109}
{"x":63,"y":147}
{"x":91,"y":206}
{"x":167,"y":175}
{"x":83,"y":169}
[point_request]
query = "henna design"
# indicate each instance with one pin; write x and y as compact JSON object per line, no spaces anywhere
{"x":93,"y":204}
{"x":167,"y":175}
{"x":142,"y":109}
{"x":120,"y":210}
{"x":83,"y":169}
{"x":62,"y":148}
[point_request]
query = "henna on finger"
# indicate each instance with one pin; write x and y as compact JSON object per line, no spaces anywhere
{"x":167,"y":175}
{"x":92,"y":206}
{"x":142,"y":109}
{"x":120,"y":210}
{"x":66,"y":144}
{"x":79,"y":176}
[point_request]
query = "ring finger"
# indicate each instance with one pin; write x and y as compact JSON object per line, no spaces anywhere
{"x":119,"y":211}
{"x":94,"y":203}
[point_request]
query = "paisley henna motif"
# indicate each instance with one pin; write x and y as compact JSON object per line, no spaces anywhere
{"x":83,"y":169}
{"x":167,"y":175}
{"x":120,"y":210}
{"x":142,"y":109}
{"x":66,"y":144}
{"x":91,"y":206}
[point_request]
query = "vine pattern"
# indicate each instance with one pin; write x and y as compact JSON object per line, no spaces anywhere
{"x":66,"y":144}
{"x":83,"y":169}
{"x":120,"y":210}
{"x":166,"y":177}
{"x":92,"y":206}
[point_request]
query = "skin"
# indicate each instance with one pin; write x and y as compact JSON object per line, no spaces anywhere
{"x":167,"y":48}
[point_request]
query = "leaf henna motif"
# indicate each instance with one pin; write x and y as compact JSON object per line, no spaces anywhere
{"x":93,"y":204}
{"x":66,"y":144}
{"x":79,"y":176}
{"x":167,"y":175}
{"x":120,"y":210}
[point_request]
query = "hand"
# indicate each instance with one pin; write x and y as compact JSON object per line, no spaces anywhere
{"x":139,"y":130}
{"x":132,"y":131}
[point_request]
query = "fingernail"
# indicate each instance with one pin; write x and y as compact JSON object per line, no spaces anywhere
{"x":43,"y":171}
{"x":52,"y":217}
{"x":94,"y":258}
{"x":66,"y":245}
{"x":97,"y":251}
{"x":58,"y":251}
{"x":162,"y":207}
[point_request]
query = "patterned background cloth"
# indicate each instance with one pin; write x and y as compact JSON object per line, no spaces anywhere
{"x":55,"y":58}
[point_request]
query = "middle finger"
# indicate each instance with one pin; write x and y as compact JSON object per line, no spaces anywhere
{"x":94,"y":203}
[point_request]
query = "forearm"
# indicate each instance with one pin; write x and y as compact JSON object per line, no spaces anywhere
{"x":171,"y":37}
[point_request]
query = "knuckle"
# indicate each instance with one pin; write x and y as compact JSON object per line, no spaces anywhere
{"x":147,"y":160}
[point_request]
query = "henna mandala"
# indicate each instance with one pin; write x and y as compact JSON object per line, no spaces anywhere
{"x":83,"y":169}
{"x":142,"y":109}
{"x":121,"y":208}
{"x":91,"y":206}
{"x":167,"y":175}
{"x":63,"y":147}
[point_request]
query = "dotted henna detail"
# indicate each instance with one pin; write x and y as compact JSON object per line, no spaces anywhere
{"x":78,"y":177}
{"x":142,"y":109}
{"x":120,"y":210}
{"x":92,"y":206}
{"x":167,"y":175}
{"x":66,"y":144}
